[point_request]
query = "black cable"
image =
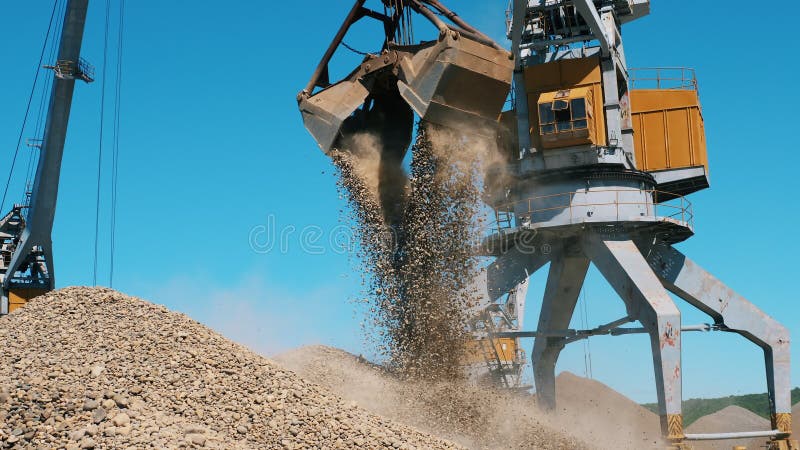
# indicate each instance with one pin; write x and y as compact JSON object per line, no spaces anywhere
{"x":28,"y":108}
{"x":38,"y":130}
{"x":411,"y":39}
{"x":100,"y":145}
{"x":358,"y":52}
{"x":115,"y":163}
{"x":29,"y":172}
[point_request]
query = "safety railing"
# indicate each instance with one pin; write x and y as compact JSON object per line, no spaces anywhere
{"x":70,"y":70}
{"x":85,"y":70}
{"x":677,"y":208}
{"x":682,"y":78}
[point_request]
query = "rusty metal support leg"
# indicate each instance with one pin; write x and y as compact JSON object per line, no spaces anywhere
{"x":564,"y":283}
{"x":734,"y":313}
{"x":626,"y":269}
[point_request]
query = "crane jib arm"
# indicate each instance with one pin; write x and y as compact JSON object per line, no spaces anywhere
{"x":39,"y":221}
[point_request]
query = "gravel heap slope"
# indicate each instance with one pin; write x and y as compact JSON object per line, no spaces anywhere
{"x":605,"y":417}
{"x":93,"y":368}
{"x":731,"y":418}
{"x":796,"y":419}
{"x":475,"y":418}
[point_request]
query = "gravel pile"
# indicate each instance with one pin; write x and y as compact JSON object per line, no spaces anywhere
{"x":796,"y":419}
{"x":731,"y":418}
{"x":93,"y":368}
{"x":475,"y":418}
{"x":603,"y":416}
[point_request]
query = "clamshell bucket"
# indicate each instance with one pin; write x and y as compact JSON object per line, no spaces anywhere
{"x":457,"y":82}
{"x":324,"y":113}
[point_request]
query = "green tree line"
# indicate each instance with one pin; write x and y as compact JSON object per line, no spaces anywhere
{"x":696,"y":408}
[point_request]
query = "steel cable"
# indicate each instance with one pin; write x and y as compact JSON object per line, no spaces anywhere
{"x":115,"y":152}
{"x":38,"y":130}
{"x":100,"y":144}
{"x":28,"y":107}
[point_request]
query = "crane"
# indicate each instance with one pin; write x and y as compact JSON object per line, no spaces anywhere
{"x":599,"y":161}
{"x":26,"y":249}
{"x":601,"y":158}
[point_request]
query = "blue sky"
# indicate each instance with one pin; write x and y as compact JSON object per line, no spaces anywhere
{"x":213,"y":150}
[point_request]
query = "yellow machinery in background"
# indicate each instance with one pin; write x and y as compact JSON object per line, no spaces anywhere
{"x":502,"y":350}
{"x":495,"y":361}
{"x":19,"y":297}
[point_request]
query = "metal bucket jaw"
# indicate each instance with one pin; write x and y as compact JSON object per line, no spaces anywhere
{"x":324,"y":113}
{"x":457,"y":82}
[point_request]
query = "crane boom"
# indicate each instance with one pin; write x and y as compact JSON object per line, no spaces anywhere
{"x":31,"y":247}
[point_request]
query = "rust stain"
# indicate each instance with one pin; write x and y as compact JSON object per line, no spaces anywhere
{"x":669,"y":336}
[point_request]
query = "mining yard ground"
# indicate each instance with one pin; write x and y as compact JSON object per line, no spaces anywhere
{"x":94,"y":368}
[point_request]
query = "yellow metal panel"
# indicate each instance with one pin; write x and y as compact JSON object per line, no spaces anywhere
{"x":680,"y":142}
{"x":638,"y":140}
{"x":566,"y":139}
{"x":565,"y":74}
{"x":14,"y":305}
{"x":562,"y":74}
{"x":566,"y":94}
{"x":19,"y":297}
{"x":699,"y":153}
{"x":655,"y":139}
{"x":646,"y":100}
{"x":599,"y":115}
{"x":668,"y":129}
{"x":506,"y":348}
{"x":478,"y":351}
{"x":595,"y":132}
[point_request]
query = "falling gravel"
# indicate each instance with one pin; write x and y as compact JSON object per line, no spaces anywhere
{"x":417,"y":270}
{"x":93,"y":368}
